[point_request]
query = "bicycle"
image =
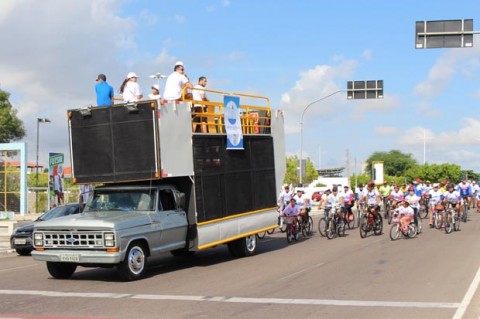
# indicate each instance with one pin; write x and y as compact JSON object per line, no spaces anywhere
{"x":335,"y":224}
{"x":397,"y":227}
{"x":437,"y":213}
{"x":452,"y":220}
{"x":306,"y":224}
{"x":361,"y":211}
{"x":292,"y":228}
{"x":349,"y":218}
{"x":465,"y":208}
{"x":371,"y":222}
{"x":423,"y":209}
{"x":322,"y":223}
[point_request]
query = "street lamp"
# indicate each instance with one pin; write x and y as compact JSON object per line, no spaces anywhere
{"x":158,"y":76}
{"x":301,"y":129}
{"x":39,"y":120}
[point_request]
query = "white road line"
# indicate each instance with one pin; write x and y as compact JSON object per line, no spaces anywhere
{"x":302,"y":271}
{"x":468,"y":296}
{"x":312,"y":302}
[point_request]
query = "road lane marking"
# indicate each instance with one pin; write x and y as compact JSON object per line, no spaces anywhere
{"x":302,"y":271}
{"x":312,"y":302}
{"x":468,"y":296}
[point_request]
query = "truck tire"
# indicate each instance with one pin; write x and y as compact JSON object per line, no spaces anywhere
{"x":243,"y":247}
{"x":61,"y":270}
{"x":23,"y":252}
{"x":133,"y":266}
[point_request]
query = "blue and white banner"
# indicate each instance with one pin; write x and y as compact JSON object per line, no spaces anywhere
{"x":233,"y":125}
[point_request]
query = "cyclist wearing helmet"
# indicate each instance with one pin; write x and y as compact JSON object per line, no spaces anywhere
{"x":453,"y":197}
{"x":414,"y":202}
{"x":372,"y":199}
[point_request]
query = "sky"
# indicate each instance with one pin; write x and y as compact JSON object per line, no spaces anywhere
{"x":293,"y":52}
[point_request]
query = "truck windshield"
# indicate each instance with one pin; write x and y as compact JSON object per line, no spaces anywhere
{"x":125,"y":200}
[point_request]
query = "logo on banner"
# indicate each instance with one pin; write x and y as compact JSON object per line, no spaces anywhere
{"x":233,"y":125}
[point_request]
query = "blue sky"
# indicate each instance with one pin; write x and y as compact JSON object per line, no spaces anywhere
{"x":294,"y":52}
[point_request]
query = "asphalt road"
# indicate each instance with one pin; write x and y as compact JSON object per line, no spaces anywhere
{"x":435,"y":275}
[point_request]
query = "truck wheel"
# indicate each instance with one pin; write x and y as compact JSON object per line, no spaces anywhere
{"x":61,"y":270}
{"x":243,"y":247}
{"x":133,"y":266}
{"x":23,"y":252}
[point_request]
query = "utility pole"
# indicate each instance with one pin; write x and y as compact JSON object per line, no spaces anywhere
{"x":348,"y":167}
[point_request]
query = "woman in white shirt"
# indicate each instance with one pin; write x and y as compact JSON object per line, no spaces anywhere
{"x":130,"y":89}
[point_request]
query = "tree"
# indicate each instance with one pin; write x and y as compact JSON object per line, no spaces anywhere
{"x":291,"y":176}
{"x":11,"y":127}
{"x":434,"y":172}
{"x":395,"y":163}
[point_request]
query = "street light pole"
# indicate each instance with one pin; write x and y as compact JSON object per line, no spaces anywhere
{"x":39,"y":120}
{"x":158,"y":76}
{"x":301,"y":129}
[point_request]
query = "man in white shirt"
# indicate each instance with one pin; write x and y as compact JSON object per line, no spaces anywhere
{"x":176,"y":82}
{"x":198,"y":94}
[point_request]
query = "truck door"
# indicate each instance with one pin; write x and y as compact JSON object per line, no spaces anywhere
{"x":173,"y":220}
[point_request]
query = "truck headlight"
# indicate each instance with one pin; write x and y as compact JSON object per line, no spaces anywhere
{"x":109,"y":239}
{"x":38,"y":239}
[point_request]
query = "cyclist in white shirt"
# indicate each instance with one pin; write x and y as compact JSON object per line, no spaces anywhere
{"x":303,"y":203}
{"x":436,"y":197}
{"x":372,"y":199}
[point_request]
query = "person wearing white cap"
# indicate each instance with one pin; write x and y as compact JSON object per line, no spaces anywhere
{"x":130,"y":89}
{"x":176,"y":82}
{"x":155,"y":95}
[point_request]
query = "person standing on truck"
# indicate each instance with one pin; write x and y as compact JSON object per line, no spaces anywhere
{"x":176,"y":82}
{"x":130,"y":89}
{"x":198,"y":94}
{"x":155,"y":95}
{"x":104,"y":91}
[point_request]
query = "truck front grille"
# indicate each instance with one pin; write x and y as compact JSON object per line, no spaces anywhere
{"x":77,"y":239}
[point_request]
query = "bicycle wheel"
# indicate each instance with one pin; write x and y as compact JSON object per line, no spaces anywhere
{"x":464,"y":217}
{"x":271,"y":231}
{"x":351,"y":221}
{"x":378,"y":227}
{"x":419,"y":226}
{"x":296,"y":231}
{"x":412,"y":230}
{"x":456,"y":224}
{"x":283,"y":228}
{"x":437,"y":222}
{"x":389,"y":218}
{"x":309,"y":225}
{"x":363,"y":226}
{"x":394,"y":231}
{"x":448,"y":224}
{"x":341,"y":230}
{"x":261,"y":235}
{"x":423,"y":212}
{"x":330,"y":232}
{"x":322,"y":227}
{"x":289,"y":233}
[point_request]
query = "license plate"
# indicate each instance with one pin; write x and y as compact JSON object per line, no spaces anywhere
{"x":70,"y":257}
{"x":19,"y":241}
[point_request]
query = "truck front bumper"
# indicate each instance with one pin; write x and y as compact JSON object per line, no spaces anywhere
{"x":79,"y":256}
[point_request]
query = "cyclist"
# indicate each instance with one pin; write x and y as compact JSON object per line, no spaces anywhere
{"x":372,"y":199}
{"x":396,"y":196}
{"x":436,"y":196}
{"x":348,"y":199}
{"x":406,"y":212}
{"x":292,"y":210}
{"x":283,"y":200}
{"x":359,"y":194}
{"x":476,"y":192}
{"x":335,"y":200}
{"x":303,"y":204}
{"x":414,"y":200}
{"x":452,"y":196}
{"x":385,"y":190}
{"x":465,"y":191}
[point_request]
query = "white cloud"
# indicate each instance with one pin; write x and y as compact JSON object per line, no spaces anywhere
{"x":446,"y":67}
{"x":179,"y":18}
{"x":367,"y":54}
{"x":385,"y":130}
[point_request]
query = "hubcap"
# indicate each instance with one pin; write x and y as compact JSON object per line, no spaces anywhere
{"x":251,"y":243}
{"x":136,"y":260}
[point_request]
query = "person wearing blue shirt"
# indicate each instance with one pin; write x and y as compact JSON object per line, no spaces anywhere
{"x":104,"y":91}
